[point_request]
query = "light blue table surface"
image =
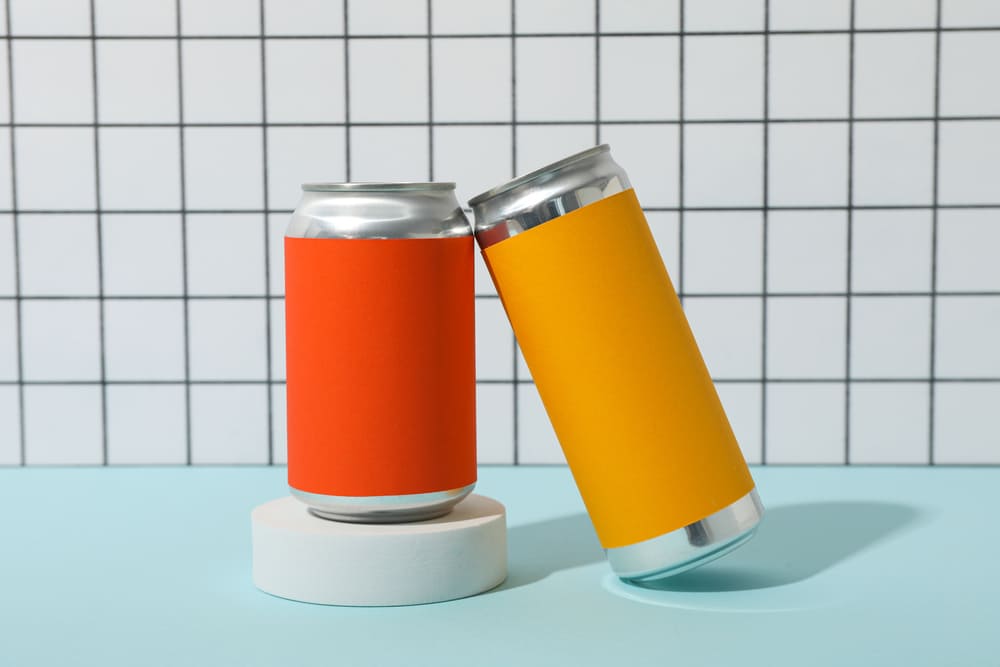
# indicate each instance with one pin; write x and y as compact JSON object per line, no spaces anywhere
{"x":137,"y":566}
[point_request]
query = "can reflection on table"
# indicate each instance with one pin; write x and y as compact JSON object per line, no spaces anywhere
{"x":617,"y":367}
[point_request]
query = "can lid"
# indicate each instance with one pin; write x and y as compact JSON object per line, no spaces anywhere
{"x":539,"y":173}
{"x":375,"y":187}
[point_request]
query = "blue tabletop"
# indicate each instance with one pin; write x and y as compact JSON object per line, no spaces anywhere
{"x":852,"y":566}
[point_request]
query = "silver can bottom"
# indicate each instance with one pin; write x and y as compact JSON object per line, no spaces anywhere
{"x":691,"y":546}
{"x":383,"y":509}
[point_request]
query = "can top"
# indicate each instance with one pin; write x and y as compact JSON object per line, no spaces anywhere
{"x":546,"y":194}
{"x":376,"y":187}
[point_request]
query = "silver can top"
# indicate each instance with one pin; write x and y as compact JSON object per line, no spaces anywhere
{"x":546,"y":194}
{"x":378,"y":211}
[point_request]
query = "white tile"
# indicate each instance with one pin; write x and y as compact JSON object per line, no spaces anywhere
{"x":472,"y":79}
{"x":277,"y":339}
{"x":723,"y":251}
{"x":895,"y":13}
{"x":297,"y":155}
{"x":816,"y":15}
{"x":625,"y":98}
{"x":277,"y":223}
{"x":965,"y":430}
{"x":964,"y":13}
{"x":723,"y":165}
{"x":239,"y":238}
{"x":523,"y":372}
{"x":536,"y":441}
{"x":228,"y":339}
{"x":388,"y":80}
{"x":10,"y":426}
{"x":8,"y":269}
{"x":806,"y":337}
{"x":38,"y":173}
{"x":539,"y":145}
{"x":305,"y":81}
{"x":967,"y":73}
{"x":126,"y":17}
{"x":728,"y":333}
{"x":5,"y":91}
{"x":389,"y":154}
{"x":807,"y":164}
{"x":807,"y":251}
{"x":665,"y":226}
{"x":890,"y":337}
{"x":808,"y":76}
{"x":494,"y":423}
{"x":49,"y":17}
{"x":454,"y":148}
{"x":891,"y":251}
{"x":220,"y":17}
{"x":555,"y":16}
{"x":229,"y":424}
{"x":640,"y":16}
{"x":8,"y":341}
{"x":304,"y":17}
{"x":650,"y":154}
{"x":137,"y":81}
{"x":279,"y":424}
{"x":549,"y":90}
{"x":6,"y":179}
{"x":222,"y":81}
{"x":893,"y":163}
{"x":889,"y":423}
{"x":75,"y":437}
{"x":65,"y":67}
{"x":58,"y":255}
{"x":724,"y":77}
{"x":147,"y":425}
{"x":223,"y":168}
{"x":969,"y":164}
{"x":722,"y":15}
{"x":144,"y":339}
{"x":968,"y":328}
{"x":742,"y":402}
{"x":140,"y":168}
{"x":805,"y":423}
{"x":494,"y":341}
{"x":461,"y":16}
{"x":61,"y":340}
{"x":484,"y":283}
{"x":386,"y":17}
{"x":894,"y":74}
{"x":968,"y":245}
{"x":143,"y":255}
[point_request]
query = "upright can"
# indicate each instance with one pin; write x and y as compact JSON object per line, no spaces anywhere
{"x":617,"y":367}
{"x":380,"y":340}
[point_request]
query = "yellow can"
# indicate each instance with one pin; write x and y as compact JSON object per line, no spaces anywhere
{"x":617,"y":367}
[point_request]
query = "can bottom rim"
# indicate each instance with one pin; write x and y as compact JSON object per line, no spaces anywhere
{"x":382,"y":509}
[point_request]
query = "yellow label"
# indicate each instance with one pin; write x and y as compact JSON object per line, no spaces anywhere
{"x":619,"y":371}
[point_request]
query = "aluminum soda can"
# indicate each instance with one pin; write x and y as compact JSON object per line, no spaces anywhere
{"x":380,"y":348}
{"x":617,"y":367}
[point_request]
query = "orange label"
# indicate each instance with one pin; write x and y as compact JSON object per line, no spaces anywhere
{"x":380,"y":340}
{"x":619,"y":372}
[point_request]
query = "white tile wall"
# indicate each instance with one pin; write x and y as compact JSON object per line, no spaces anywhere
{"x":826,"y":201}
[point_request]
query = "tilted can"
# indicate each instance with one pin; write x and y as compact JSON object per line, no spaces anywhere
{"x":380,"y":340}
{"x":617,"y":367}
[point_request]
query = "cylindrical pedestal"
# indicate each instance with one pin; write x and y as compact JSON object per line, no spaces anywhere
{"x":299,"y":556}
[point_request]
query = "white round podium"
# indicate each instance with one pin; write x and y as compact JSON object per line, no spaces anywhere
{"x":299,"y":556}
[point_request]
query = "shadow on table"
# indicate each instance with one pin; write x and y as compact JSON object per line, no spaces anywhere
{"x":537,"y":550}
{"x":795,"y":542}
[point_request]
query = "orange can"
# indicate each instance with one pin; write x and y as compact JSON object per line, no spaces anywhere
{"x":380,"y":345}
{"x":617,"y":367}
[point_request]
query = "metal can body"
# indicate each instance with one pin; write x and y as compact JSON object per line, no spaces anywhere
{"x":380,"y":348}
{"x":617,"y":367}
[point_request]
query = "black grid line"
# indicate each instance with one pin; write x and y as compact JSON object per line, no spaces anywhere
{"x":680,"y":150}
{"x":597,"y":72}
{"x":766,"y":198}
{"x":850,"y":234}
{"x":515,"y":411}
{"x":526,"y":381}
{"x":935,"y":176}
{"x":347,"y":95}
{"x":100,"y":238}
{"x":266,"y":231}
{"x":188,"y":444}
